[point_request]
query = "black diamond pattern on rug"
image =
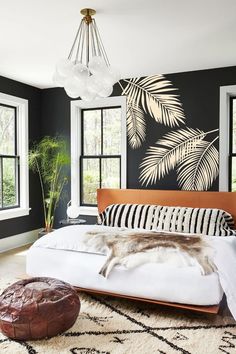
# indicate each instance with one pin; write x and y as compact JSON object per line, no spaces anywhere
{"x":116,"y":326}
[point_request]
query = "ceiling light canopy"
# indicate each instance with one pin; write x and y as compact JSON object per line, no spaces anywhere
{"x":86,"y":73}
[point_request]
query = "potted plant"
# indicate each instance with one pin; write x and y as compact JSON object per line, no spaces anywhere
{"x":48,"y":159}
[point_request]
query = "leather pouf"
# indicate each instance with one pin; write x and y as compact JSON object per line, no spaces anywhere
{"x":37,"y":308}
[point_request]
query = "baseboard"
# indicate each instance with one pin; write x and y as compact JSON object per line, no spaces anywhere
{"x":11,"y":242}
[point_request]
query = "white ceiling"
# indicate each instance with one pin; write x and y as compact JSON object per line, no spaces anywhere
{"x":141,"y":37}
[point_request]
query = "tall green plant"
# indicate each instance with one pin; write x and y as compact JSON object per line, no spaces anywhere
{"x":48,"y":158}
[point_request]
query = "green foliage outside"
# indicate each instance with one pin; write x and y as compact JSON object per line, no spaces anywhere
{"x":9,"y":195}
{"x":91,"y":181}
{"x":7,"y":147}
{"x":48,"y":159}
{"x":90,"y":186}
{"x":95,"y":143}
{"x":234,"y":176}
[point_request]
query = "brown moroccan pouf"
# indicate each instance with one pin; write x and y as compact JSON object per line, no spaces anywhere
{"x":37,"y":308}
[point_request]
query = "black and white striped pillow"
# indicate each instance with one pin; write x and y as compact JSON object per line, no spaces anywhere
{"x":128,"y":215}
{"x":211,"y":222}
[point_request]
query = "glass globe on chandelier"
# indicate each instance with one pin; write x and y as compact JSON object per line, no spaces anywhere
{"x":86,"y":73}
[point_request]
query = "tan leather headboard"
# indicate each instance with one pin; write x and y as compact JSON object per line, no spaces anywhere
{"x":219,"y":200}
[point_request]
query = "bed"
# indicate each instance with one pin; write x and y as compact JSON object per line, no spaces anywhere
{"x":58,"y":256}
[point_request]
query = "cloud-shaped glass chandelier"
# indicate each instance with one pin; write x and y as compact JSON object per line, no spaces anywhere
{"x":86,"y":73}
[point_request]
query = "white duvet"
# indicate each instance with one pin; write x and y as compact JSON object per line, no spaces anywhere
{"x":224,"y":254}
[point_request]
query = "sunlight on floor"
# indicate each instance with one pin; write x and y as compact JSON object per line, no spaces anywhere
{"x":21,"y":253}
{"x":13,"y":263}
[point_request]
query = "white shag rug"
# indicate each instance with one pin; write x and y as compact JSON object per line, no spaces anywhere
{"x":116,"y":326}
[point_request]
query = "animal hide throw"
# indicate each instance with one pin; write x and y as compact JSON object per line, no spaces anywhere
{"x":132,"y":248}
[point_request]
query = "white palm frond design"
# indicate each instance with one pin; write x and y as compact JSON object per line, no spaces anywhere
{"x":136,"y":125}
{"x":155,"y":95}
{"x":200,"y":168}
{"x":171,"y":150}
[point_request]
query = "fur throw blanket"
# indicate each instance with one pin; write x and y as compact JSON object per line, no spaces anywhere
{"x":132,"y":248}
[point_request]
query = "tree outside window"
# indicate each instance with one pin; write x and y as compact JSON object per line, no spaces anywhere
{"x":100,"y":160}
{"x":9,"y":160}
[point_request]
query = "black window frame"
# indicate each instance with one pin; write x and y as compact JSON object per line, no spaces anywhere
{"x":99,"y":157}
{"x":16,"y":157}
{"x":231,"y":153}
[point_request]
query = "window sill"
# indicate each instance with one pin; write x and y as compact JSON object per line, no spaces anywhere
{"x":86,"y":210}
{"x":13,"y":213}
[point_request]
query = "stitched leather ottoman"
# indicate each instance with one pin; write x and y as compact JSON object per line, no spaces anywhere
{"x":38,"y":308}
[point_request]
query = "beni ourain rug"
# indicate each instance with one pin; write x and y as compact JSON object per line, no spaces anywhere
{"x":117,"y":326}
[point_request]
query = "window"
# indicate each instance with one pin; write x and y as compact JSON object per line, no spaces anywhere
{"x":9,"y":161}
{"x":227,"y":150}
{"x":100,"y":159}
{"x":13,"y":157}
{"x":98,"y":149}
{"x":232,"y":145}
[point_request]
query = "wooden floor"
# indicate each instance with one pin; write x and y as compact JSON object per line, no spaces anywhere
{"x":12,"y":263}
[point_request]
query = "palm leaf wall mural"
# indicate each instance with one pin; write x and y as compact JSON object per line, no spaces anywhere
{"x":176,"y":149}
{"x":199,"y":170}
{"x":136,"y":125}
{"x":184,"y":150}
{"x":155,"y":95}
{"x":171,"y":149}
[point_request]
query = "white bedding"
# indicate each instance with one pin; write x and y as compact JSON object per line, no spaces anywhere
{"x":63,"y":255}
{"x":153,"y":281}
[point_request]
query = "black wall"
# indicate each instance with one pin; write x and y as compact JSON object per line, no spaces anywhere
{"x":49,"y":114}
{"x":34,"y":220}
{"x":199,"y":94}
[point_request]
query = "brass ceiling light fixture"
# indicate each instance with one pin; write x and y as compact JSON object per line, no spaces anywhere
{"x":86,"y":73}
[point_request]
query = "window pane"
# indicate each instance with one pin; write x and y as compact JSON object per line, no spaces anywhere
{"x":91,"y":183}
{"x":92,"y":132}
{"x":234,"y":127}
{"x":110,"y":173}
{"x":0,"y":183}
{"x":112,"y":131}
{"x":7,"y":130}
{"x":233,"y":174}
{"x":9,"y":182}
